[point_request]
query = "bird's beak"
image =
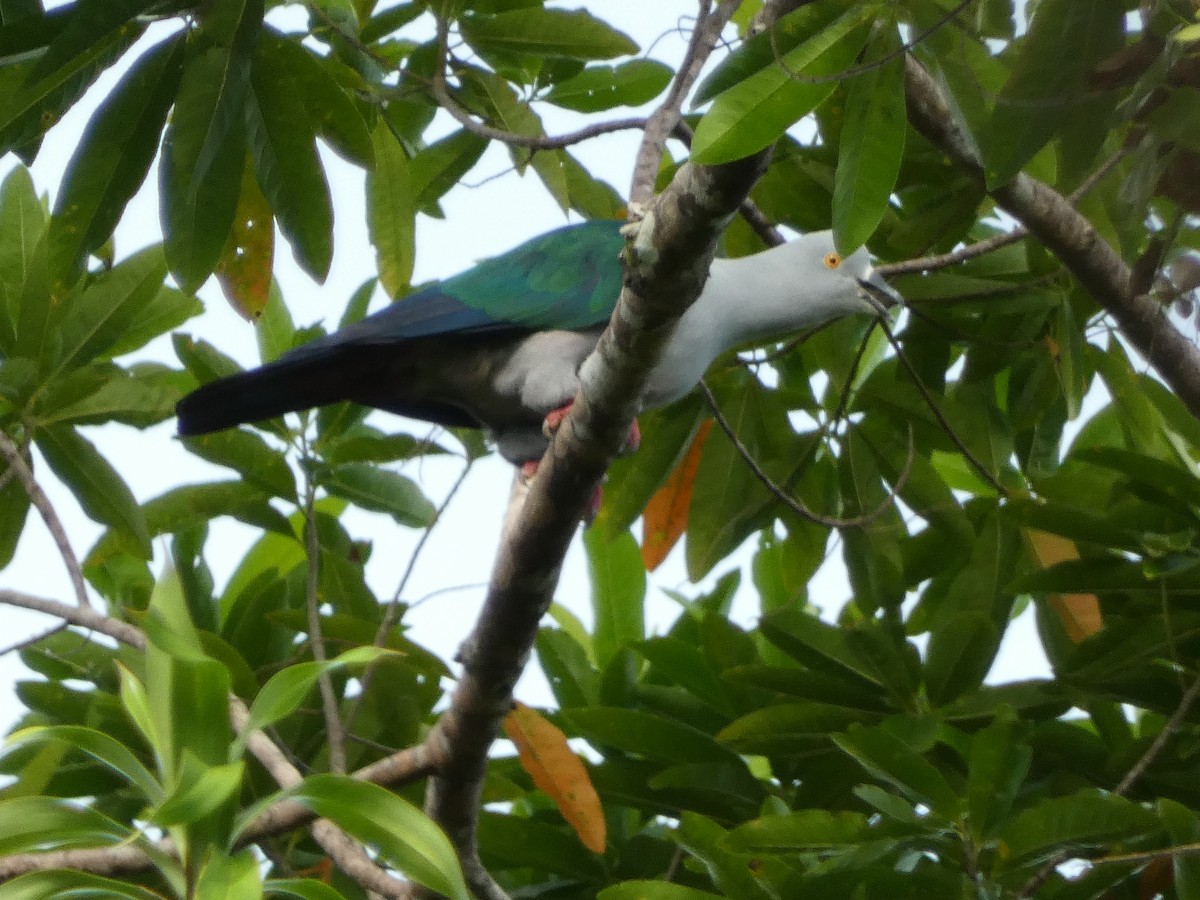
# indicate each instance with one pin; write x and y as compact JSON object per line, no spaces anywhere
{"x":875,"y":286}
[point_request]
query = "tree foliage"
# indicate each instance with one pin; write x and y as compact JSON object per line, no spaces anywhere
{"x":1010,"y":448}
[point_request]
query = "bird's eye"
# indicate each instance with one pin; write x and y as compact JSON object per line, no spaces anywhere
{"x":832,"y":260}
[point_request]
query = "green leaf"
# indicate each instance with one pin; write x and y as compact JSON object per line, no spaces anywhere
{"x":1046,"y":84}
{"x":381,"y":491}
{"x":199,"y":797}
{"x":97,"y":317}
{"x":759,"y":51}
{"x":727,"y":497}
{"x":250,"y":455}
{"x":996,"y":768}
{"x":441,"y":165}
{"x":1086,"y":818}
{"x":961,"y":650}
{"x":204,"y":147}
{"x":22,"y":222}
{"x":872,"y":143}
{"x":406,"y":838}
{"x":286,"y":164}
{"x":1184,"y":828}
{"x":59,"y":883}
{"x":91,"y":21}
{"x":285,"y":690}
{"x":101,"y":492}
{"x":788,"y":728}
{"x":143,"y":397}
{"x":573,"y":34}
{"x":303,"y":888}
{"x":618,"y":581}
{"x":599,"y":88}
{"x":165,"y":311}
{"x":808,"y":829}
{"x":274,"y":329}
{"x":36,"y":314}
{"x":225,"y":877}
{"x":652,"y":890}
{"x":889,"y":758}
{"x":186,"y":507}
{"x":28,"y":110}
{"x":647,"y":734}
{"x":112,"y":159}
{"x":100,"y":746}
{"x":30,"y":824}
{"x":323,"y":83}
{"x":818,"y":645}
{"x":391,"y":213}
{"x":187,"y":697}
{"x":14,"y":509}
{"x":666,"y":436}
{"x":754,"y":113}
{"x":572,"y":677}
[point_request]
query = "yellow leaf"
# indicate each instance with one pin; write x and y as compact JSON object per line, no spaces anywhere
{"x":244,"y":269}
{"x":666,"y":515}
{"x":1079,"y":613}
{"x":558,"y":772}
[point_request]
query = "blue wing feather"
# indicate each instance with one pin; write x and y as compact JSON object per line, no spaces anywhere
{"x":567,"y":279}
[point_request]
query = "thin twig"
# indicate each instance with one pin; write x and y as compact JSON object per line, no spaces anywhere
{"x":997,"y":241}
{"x":1169,"y":730}
{"x":30,"y":641}
{"x":529,"y":141}
{"x":709,"y":25}
{"x":335,"y":732}
{"x":1148,"y":856}
{"x":1160,"y":740}
{"x":17,"y":464}
{"x":970,"y":457}
{"x":787,"y":499}
{"x":392,"y":613}
{"x":863,"y":68}
{"x":347,"y":854}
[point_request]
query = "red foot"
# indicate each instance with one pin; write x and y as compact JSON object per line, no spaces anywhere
{"x":529,"y":469}
{"x":554,"y":418}
{"x":634,"y":440}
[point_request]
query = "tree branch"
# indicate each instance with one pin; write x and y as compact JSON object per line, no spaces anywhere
{"x":335,"y":732}
{"x":400,"y":768}
{"x":666,"y":264}
{"x":19,"y":467}
{"x":1071,"y":237}
{"x":709,"y":25}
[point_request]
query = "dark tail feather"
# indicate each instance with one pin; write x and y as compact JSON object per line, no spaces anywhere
{"x":288,"y":385}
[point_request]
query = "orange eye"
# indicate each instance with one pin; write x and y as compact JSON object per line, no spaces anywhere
{"x":832,"y":260}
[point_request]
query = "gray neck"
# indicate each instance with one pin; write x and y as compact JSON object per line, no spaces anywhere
{"x":765,"y":295}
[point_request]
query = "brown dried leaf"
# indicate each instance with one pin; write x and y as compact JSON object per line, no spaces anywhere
{"x":558,"y":772}
{"x":666,"y":515}
{"x":1079,"y":613}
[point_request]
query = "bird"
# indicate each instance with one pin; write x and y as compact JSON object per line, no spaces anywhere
{"x":500,"y":345}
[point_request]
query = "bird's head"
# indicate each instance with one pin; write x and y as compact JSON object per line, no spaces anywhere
{"x":851,"y":279}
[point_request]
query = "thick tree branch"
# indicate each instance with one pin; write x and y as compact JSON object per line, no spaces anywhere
{"x":1071,"y":237}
